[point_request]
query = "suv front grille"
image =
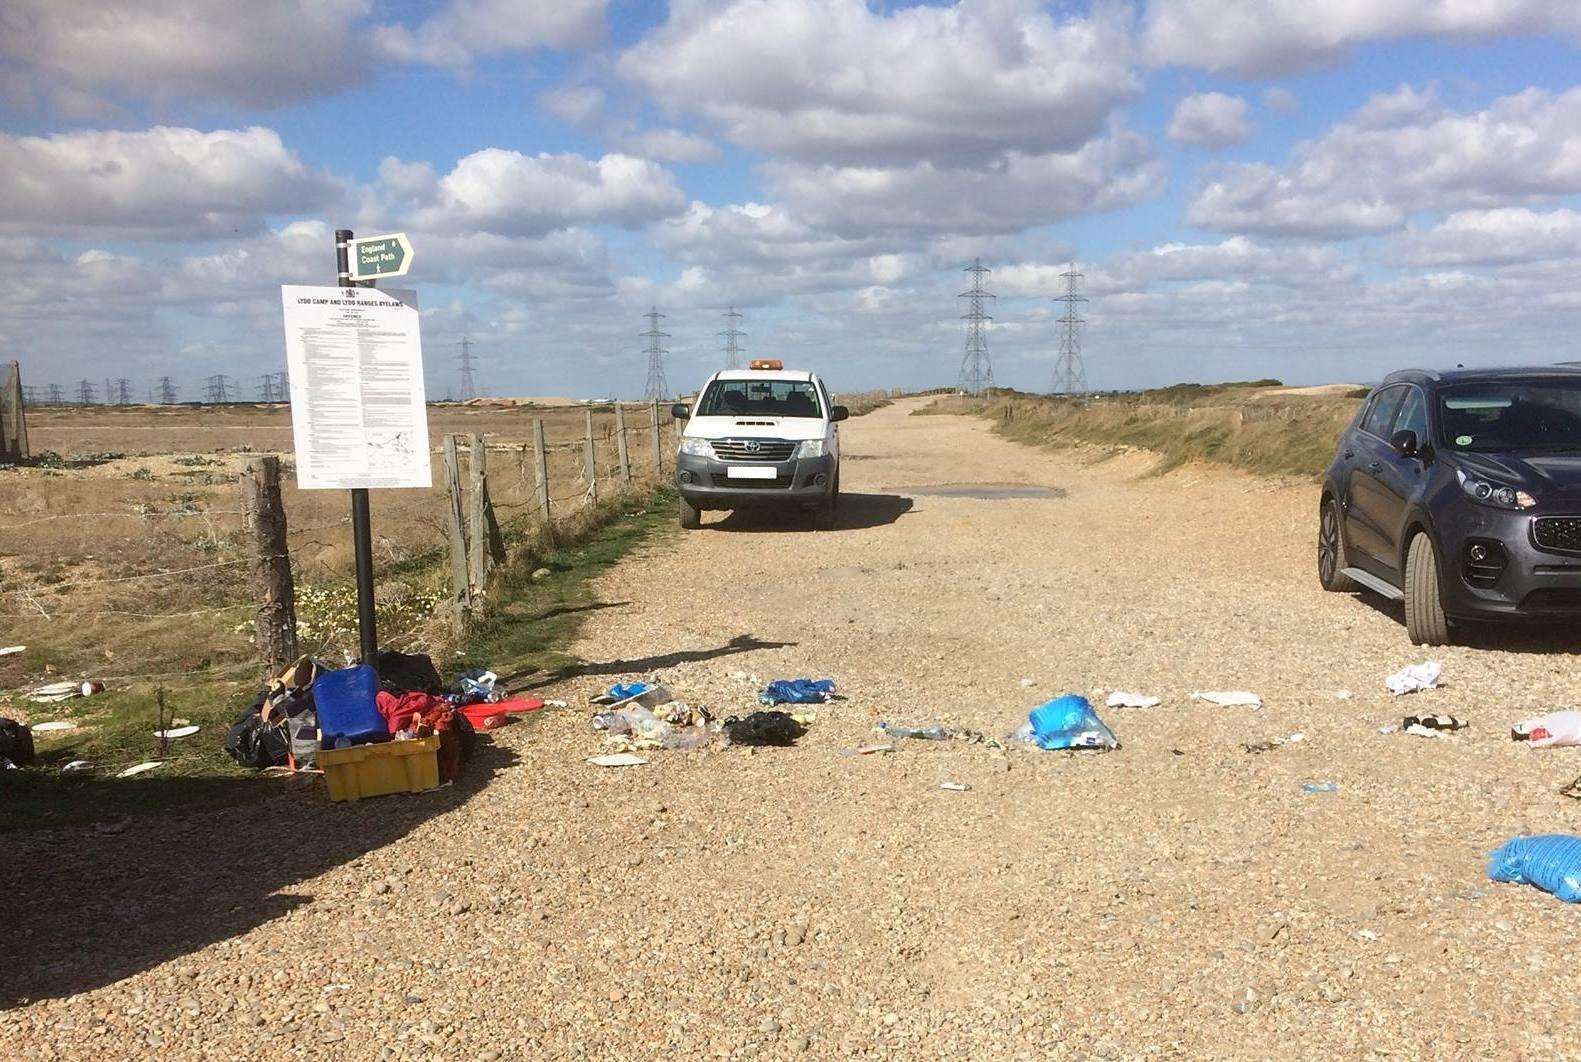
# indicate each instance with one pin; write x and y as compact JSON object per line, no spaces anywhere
{"x":743,"y":449}
{"x":1558,"y":532}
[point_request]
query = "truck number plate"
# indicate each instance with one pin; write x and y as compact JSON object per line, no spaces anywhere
{"x":750,"y":472}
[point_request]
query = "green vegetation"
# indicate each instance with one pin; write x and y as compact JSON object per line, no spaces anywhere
{"x":1257,"y":426}
{"x":525,"y":633}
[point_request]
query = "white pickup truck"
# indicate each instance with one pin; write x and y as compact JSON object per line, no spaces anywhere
{"x":761,"y":436}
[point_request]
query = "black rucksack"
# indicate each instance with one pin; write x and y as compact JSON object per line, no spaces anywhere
{"x":16,"y":742}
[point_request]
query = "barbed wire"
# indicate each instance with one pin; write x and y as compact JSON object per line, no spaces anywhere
{"x":126,"y":515}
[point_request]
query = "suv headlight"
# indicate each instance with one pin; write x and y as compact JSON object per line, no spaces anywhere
{"x":810,"y":448}
{"x":697,"y":447}
{"x":1497,"y":495}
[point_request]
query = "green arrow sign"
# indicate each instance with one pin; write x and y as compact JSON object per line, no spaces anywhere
{"x":373,"y":257}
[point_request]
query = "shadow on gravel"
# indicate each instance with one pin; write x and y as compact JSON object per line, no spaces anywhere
{"x":1537,"y":637}
{"x":85,"y":907}
{"x":641,"y":665}
{"x":856,"y":511}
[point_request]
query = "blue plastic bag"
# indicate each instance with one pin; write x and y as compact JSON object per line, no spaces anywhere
{"x":623,"y":690}
{"x":1552,"y":862}
{"x":797,"y":691}
{"x":1069,"y":722}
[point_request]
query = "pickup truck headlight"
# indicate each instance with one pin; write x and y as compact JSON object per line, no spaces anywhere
{"x":697,"y":447}
{"x":1485,"y":492}
{"x":810,"y":448}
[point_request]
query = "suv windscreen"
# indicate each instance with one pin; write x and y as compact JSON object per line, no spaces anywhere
{"x":760,"y":398}
{"x":1520,"y":415}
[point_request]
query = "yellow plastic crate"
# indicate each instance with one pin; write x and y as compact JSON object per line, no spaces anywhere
{"x":376,"y":770}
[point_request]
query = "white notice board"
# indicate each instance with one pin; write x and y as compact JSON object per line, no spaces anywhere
{"x":358,"y":410}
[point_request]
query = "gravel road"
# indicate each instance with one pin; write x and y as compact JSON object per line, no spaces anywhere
{"x":1179,"y":896}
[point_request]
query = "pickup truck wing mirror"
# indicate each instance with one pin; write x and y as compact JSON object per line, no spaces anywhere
{"x":839,"y":413}
{"x":680,"y":411}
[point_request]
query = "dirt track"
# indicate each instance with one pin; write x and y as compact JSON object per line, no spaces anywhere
{"x":1177,"y":897}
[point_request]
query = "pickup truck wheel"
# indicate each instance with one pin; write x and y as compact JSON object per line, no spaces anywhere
{"x":691,"y":515}
{"x":824,"y":518}
{"x":1425,"y":621}
{"x":1331,"y":550}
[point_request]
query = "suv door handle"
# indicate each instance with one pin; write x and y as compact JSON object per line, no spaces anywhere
{"x":1375,"y":466}
{"x":1349,"y":454}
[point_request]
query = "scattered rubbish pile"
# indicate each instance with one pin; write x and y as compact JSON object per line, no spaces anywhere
{"x":1555,"y":729}
{"x":1067,"y":722}
{"x":1416,"y":677}
{"x":1551,"y":862}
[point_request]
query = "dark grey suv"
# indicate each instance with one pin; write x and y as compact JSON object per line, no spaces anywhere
{"x":1460,"y":493}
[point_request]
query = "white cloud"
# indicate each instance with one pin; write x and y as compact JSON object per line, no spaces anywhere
{"x":1266,"y":38}
{"x":162,"y":182}
{"x":578,"y":105}
{"x":672,"y":145}
{"x":1402,"y":153}
{"x":251,"y":54}
{"x":837,"y":81}
{"x":464,"y":30}
{"x":1020,"y":191}
{"x":1504,"y":236}
{"x":511,"y":194}
{"x":1211,"y":120}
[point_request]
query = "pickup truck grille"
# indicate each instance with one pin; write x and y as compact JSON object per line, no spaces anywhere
{"x":780,"y":482}
{"x":753,"y":449}
{"x":1559,"y":532}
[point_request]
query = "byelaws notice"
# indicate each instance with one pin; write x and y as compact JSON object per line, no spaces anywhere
{"x":358,"y":409}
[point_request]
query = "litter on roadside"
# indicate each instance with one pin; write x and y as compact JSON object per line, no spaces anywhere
{"x":933,"y":732}
{"x":1313,"y":788}
{"x":1551,"y":862}
{"x":764,"y":728}
{"x":1229,"y":698}
{"x":141,"y":768}
{"x":76,"y":767}
{"x":1423,"y":676}
{"x":1573,"y":790}
{"x":64,"y":691}
{"x":12,"y":650}
{"x":867,"y":750}
{"x":1555,"y":729}
{"x":1121,"y":699}
{"x":797,"y":691}
{"x":53,"y":726}
{"x":1431,"y":725}
{"x":1273,"y":743}
{"x":1067,"y":722}
{"x":955,"y":787}
{"x":178,"y":732}
{"x":1343,"y":695}
{"x":617,"y":759}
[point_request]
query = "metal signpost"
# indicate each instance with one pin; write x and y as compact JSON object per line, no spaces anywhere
{"x":358,"y":410}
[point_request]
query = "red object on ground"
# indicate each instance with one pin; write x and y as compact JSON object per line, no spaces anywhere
{"x":485,"y":716}
{"x":401,"y":711}
{"x":515,"y":705}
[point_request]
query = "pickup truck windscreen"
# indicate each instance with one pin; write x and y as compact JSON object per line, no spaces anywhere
{"x":760,"y":398}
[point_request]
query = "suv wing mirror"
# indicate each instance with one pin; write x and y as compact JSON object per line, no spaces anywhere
{"x":1405,"y":442}
{"x":680,"y":411}
{"x":839,"y":413}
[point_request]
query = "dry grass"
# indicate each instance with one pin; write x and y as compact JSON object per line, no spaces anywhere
{"x":1259,"y":426}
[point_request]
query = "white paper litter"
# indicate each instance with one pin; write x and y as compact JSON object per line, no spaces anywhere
{"x":56,"y":691}
{"x":52,"y":726}
{"x":12,"y":650}
{"x":76,"y":765}
{"x":141,"y":768}
{"x":178,"y":732}
{"x":1230,"y":698}
{"x":617,"y":759}
{"x":1297,"y":736}
{"x":1418,"y":730}
{"x":1027,"y":683}
{"x":1121,"y":699}
{"x":955,"y":787}
{"x":1423,"y":676}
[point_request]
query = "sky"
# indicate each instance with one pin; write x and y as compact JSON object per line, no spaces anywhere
{"x":1249,"y":190}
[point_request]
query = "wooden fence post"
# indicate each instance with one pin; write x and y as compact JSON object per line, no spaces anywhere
{"x":620,"y":442}
{"x":477,"y":525}
{"x":658,"y":448}
{"x":13,"y":417}
{"x":541,"y":460}
{"x":589,"y":466}
{"x":274,"y":619}
{"x":461,"y":585}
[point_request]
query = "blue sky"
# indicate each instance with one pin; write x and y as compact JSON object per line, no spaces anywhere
{"x":1250,"y":191}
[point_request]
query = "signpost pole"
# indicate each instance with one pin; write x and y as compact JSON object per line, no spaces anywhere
{"x":361,"y":526}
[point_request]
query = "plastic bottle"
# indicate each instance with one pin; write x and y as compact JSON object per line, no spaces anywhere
{"x":921,"y":733}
